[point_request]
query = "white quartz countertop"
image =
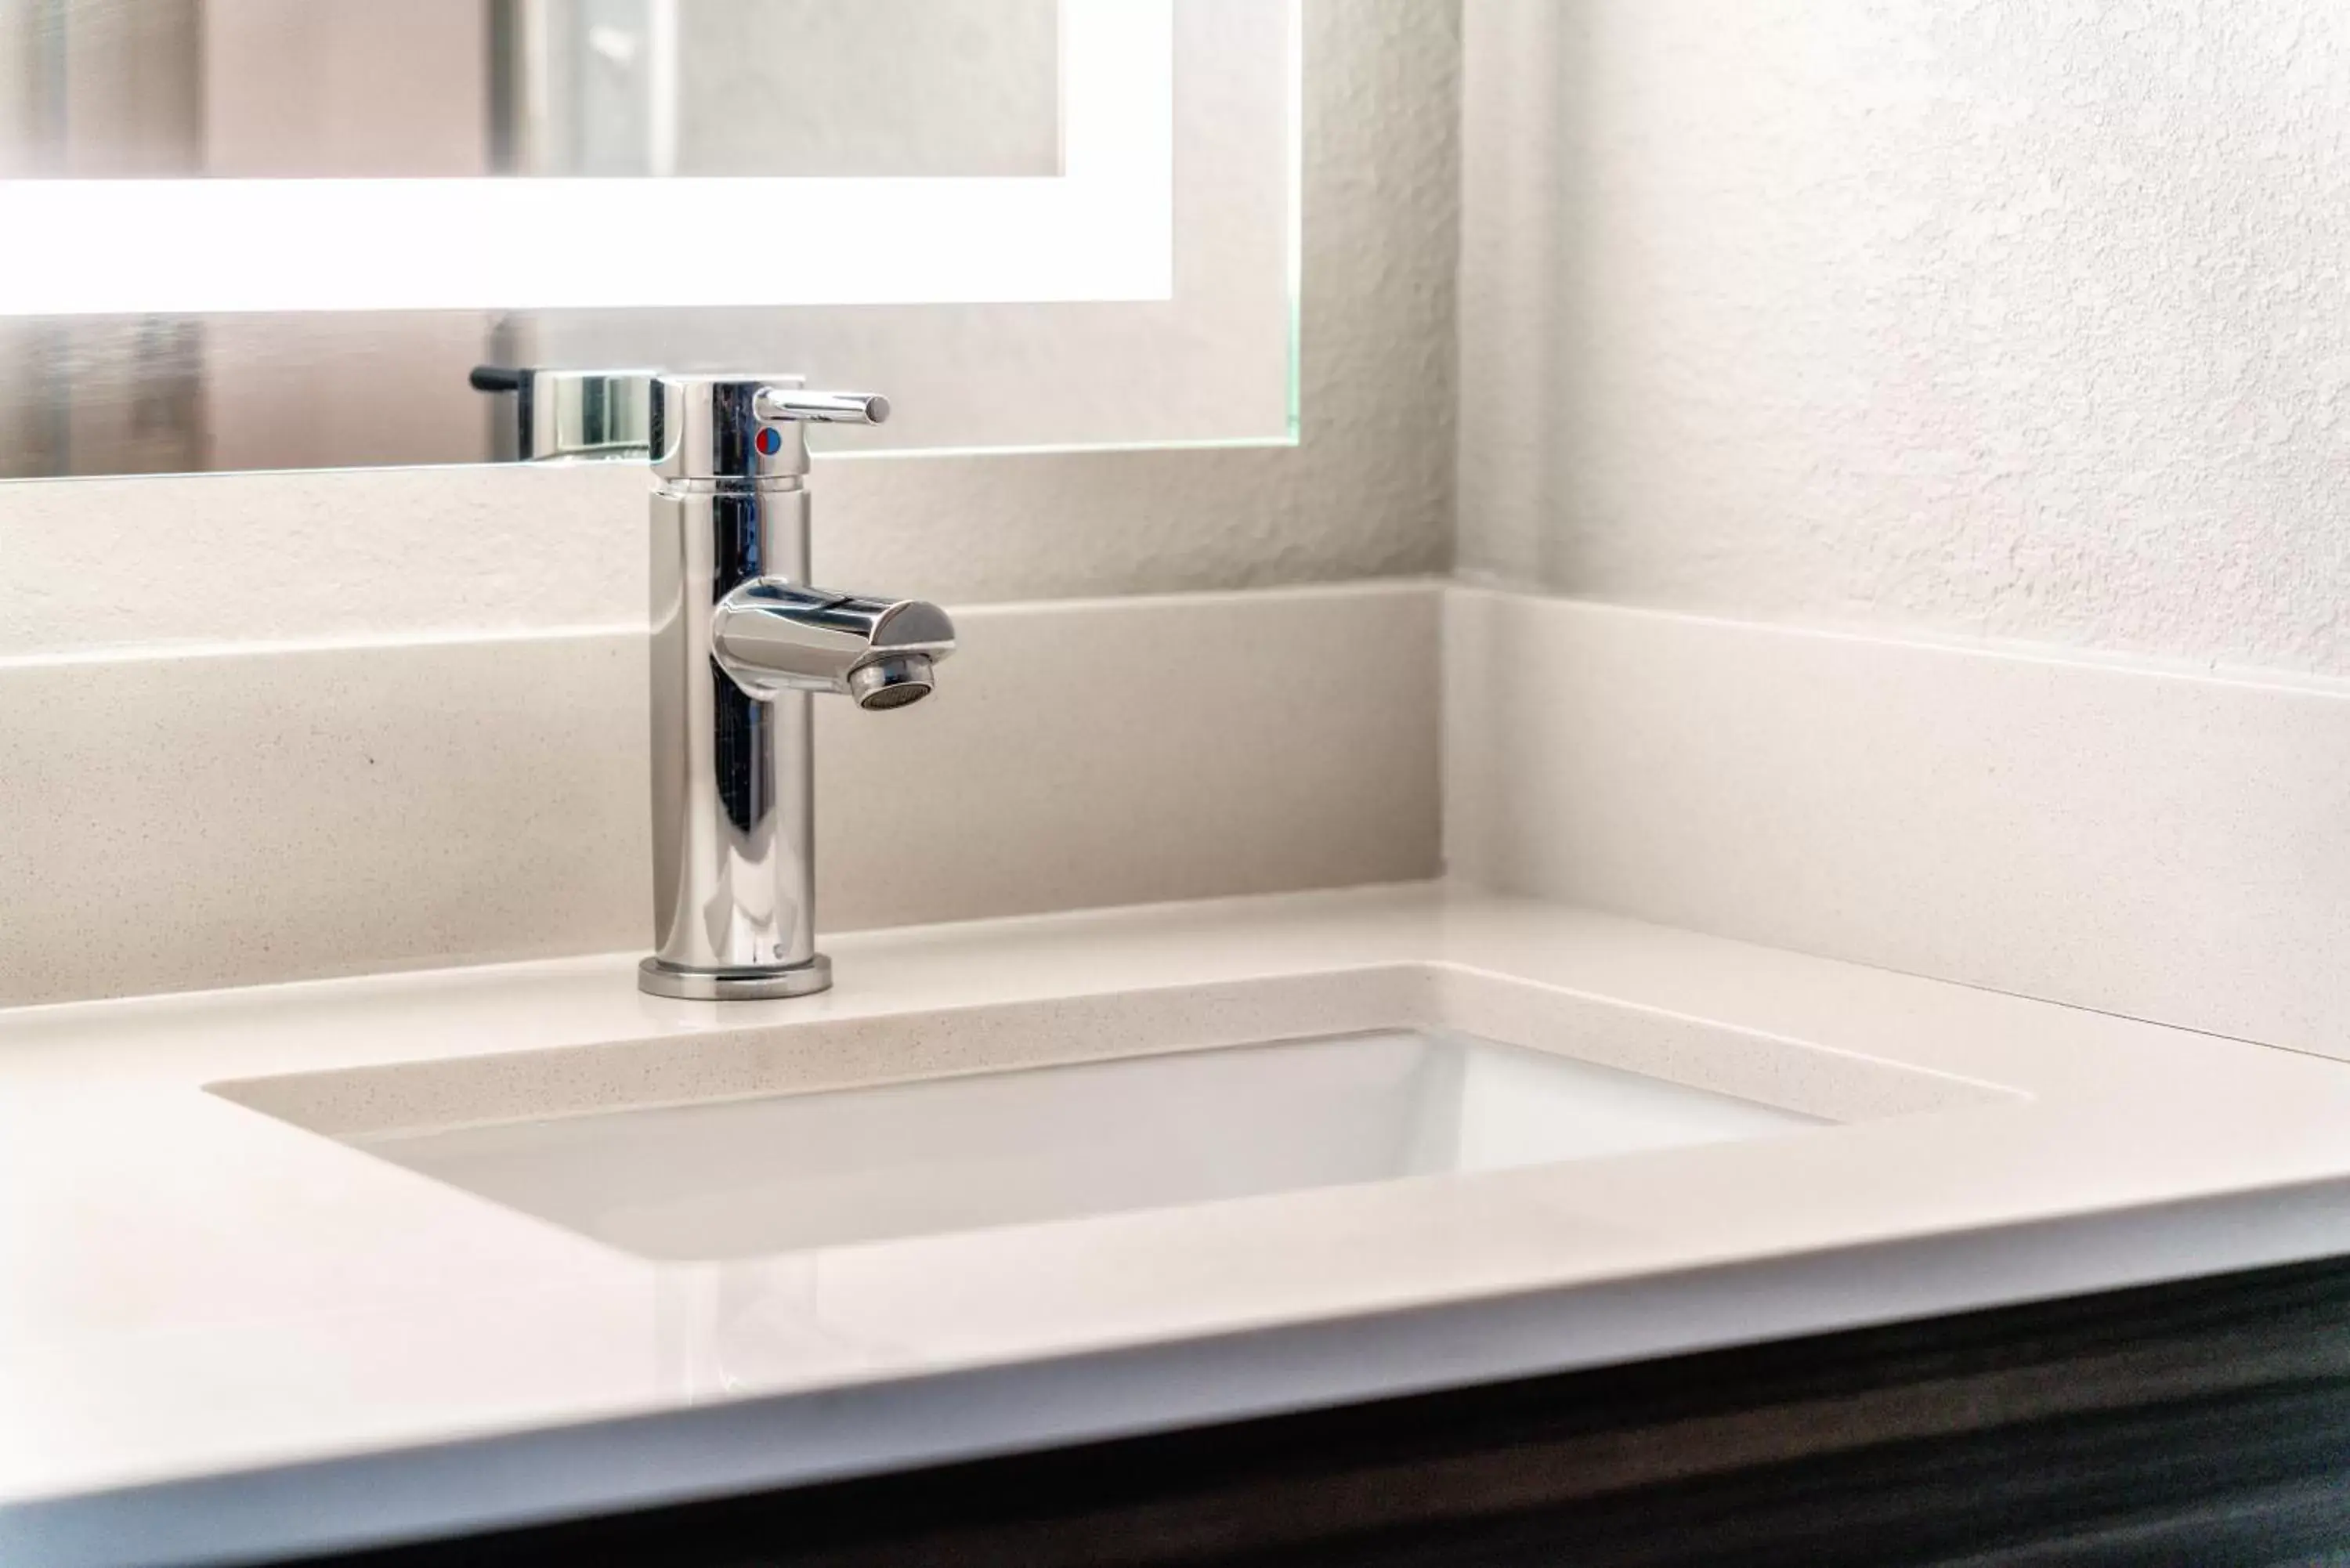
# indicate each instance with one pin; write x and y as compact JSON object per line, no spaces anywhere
{"x":225,"y":1336}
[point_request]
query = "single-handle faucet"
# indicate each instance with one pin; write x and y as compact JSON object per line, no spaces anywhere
{"x":740,"y":644}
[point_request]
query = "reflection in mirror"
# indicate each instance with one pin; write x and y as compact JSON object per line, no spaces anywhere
{"x":426,"y":89}
{"x":247,"y":208}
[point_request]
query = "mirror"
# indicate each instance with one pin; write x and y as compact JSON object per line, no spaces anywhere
{"x":273,"y":233}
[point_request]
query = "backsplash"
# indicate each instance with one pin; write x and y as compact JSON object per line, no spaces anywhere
{"x":2114,"y":834}
{"x":179,"y":823}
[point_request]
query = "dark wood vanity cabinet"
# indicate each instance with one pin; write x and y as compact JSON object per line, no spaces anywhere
{"x":2204,"y":1423}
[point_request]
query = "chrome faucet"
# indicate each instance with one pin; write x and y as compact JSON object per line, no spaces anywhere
{"x":740,"y":644}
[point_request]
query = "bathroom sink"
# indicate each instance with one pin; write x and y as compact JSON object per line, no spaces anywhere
{"x":845,"y":1131}
{"x":792,"y":1171}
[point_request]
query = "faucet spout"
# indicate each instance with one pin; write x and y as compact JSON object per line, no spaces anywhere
{"x":772,"y":635}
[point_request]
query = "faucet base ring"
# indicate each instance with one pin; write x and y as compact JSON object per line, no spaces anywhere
{"x":658,"y":979}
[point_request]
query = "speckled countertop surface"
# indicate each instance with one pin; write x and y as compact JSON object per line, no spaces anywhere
{"x":218,"y":1328}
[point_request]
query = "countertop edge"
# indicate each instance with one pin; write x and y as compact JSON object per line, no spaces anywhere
{"x":541,"y":1475}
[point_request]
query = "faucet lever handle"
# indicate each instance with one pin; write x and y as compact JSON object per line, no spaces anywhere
{"x":775,"y":404}
{"x":706,"y":426}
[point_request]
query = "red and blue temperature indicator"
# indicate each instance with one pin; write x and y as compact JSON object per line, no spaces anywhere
{"x":770,"y":441}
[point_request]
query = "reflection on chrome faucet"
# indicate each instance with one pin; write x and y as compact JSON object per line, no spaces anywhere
{"x":740,"y":644}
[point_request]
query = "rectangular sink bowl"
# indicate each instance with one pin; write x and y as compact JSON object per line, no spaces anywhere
{"x":837,"y":1131}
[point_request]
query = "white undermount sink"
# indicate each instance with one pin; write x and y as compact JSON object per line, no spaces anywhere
{"x":790,"y":1171}
{"x":838,"y":1131}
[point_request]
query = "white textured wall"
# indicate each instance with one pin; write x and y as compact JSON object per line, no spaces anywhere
{"x":2018,"y":317}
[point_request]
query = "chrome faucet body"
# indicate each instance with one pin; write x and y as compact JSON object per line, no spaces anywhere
{"x":741,"y":644}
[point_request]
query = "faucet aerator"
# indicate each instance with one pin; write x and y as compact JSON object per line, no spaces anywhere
{"x":891,"y":682}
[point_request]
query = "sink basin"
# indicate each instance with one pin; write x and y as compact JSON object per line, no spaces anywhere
{"x":793,"y":1171}
{"x":834,"y":1132}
